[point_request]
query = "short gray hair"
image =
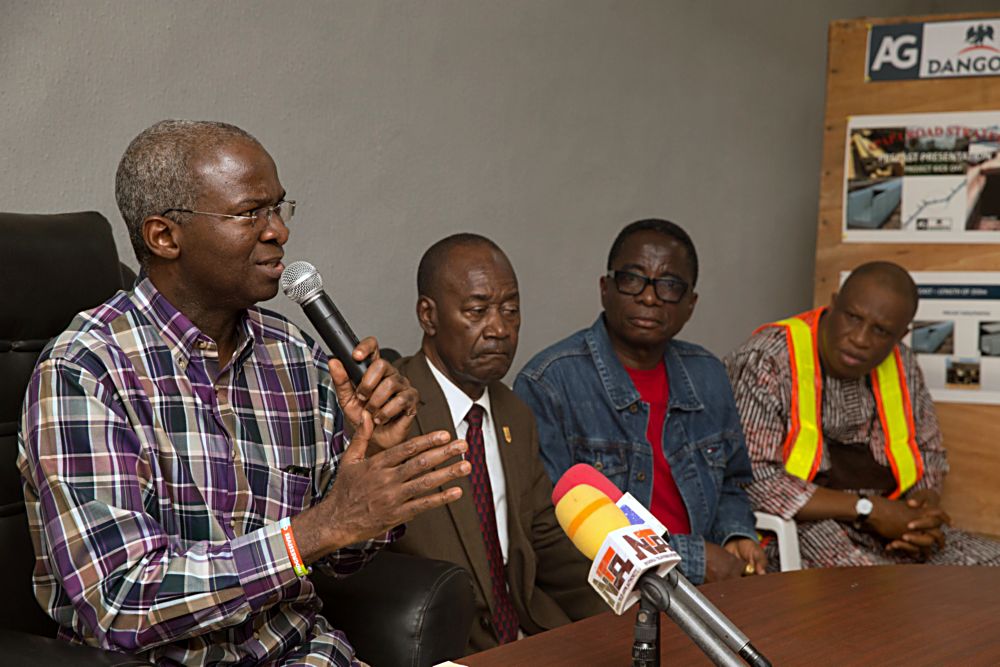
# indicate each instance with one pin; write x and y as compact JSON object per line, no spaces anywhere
{"x":155,"y":175}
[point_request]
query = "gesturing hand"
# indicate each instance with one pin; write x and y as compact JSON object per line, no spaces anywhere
{"x":383,"y":393}
{"x":372,"y":495}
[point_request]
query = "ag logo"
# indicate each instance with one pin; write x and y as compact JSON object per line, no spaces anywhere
{"x":894,"y":51}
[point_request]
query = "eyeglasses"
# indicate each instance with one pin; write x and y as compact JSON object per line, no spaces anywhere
{"x":671,"y":290}
{"x":284,"y":208}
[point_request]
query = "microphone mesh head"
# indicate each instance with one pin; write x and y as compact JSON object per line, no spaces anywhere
{"x":300,"y":280}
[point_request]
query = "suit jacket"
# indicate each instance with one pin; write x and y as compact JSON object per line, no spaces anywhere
{"x":546,"y":575}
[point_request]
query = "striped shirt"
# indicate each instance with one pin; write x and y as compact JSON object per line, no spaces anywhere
{"x":154,"y":482}
{"x":761,"y":375}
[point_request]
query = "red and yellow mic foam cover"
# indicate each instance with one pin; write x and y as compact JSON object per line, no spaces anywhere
{"x":587,"y":516}
{"x":582,"y":473}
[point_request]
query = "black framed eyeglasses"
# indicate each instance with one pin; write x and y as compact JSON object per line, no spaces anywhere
{"x":285,"y":209}
{"x":668,"y":289}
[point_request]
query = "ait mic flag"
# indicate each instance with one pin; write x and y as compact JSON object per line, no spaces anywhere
{"x":943,"y":49}
{"x":626,"y":554}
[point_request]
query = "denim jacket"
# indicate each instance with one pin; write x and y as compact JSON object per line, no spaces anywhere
{"x":588,"y":411}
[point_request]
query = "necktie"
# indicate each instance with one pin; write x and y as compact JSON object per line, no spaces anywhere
{"x":504,"y":615}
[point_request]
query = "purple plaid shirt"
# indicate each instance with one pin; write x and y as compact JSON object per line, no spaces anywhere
{"x":154,"y":491}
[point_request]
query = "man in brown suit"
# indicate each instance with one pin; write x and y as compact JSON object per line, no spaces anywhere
{"x":528,"y":576}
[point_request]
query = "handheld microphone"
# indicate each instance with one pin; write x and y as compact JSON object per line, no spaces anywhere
{"x":301,"y":282}
{"x":668,"y":590}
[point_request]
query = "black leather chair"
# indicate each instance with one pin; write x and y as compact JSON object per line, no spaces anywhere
{"x":51,"y":267}
{"x":399,"y":610}
{"x":402,"y":610}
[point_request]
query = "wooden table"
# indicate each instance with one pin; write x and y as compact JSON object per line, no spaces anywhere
{"x":892,"y":615}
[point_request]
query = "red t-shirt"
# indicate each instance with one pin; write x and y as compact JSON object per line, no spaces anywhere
{"x":667,"y":504}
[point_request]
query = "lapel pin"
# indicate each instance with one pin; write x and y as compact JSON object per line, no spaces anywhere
{"x":506,"y":434}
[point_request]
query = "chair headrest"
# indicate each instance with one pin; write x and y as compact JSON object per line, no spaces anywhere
{"x":52,"y":267}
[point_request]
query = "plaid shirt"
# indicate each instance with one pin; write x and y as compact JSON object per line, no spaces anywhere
{"x":154,"y":492}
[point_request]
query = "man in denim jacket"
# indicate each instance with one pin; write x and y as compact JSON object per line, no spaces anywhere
{"x":654,"y":414}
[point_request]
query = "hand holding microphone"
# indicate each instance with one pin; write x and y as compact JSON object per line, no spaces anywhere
{"x":372,"y":492}
{"x":362,"y":380}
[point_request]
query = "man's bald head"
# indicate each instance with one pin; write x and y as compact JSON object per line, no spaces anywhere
{"x":888,"y":276}
{"x":435,"y":261}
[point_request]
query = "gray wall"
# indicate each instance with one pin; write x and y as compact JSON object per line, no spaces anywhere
{"x":546,"y":125}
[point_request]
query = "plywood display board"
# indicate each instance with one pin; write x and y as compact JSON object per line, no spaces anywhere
{"x":971,"y":432}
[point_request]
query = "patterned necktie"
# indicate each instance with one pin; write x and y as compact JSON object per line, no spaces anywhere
{"x":504,"y":615}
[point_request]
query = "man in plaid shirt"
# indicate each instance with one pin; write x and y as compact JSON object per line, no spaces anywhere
{"x":183,"y":452}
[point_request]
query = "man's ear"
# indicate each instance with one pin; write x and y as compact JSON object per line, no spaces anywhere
{"x":833,"y":299}
{"x":162,"y":236}
{"x":692,"y":302}
{"x":427,"y":315}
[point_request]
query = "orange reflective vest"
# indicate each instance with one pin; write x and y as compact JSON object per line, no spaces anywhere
{"x":803,"y":446}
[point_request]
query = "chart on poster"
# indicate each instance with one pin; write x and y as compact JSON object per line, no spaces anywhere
{"x":922,"y":178}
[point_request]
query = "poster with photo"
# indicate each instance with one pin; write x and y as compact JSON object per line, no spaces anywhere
{"x":956,"y":335}
{"x":922,"y":178}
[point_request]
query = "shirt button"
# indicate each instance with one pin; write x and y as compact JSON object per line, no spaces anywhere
{"x":641,"y":477}
{"x":234,"y":453}
{"x":598,"y":465}
{"x":232,"y":523}
{"x":484,"y":621}
{"x":633,"y":408}
{"x":256,"y":635}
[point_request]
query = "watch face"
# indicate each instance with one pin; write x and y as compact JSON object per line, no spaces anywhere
{"x":863,"y":507}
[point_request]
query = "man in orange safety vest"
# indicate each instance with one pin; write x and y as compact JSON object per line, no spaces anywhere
{"x":842,"y":433}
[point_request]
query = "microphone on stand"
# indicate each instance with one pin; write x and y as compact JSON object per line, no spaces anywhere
{"x":632,"y":562}
{"x":301,"y":282}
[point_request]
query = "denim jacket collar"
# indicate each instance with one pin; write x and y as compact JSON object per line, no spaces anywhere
{"x":617,"y":382}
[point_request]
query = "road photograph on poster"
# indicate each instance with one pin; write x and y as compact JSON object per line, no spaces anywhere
{"x":922,"y":178}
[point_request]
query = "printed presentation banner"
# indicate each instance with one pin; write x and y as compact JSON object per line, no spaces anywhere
{"x":956,"y":335}
{"x":922,"y":178}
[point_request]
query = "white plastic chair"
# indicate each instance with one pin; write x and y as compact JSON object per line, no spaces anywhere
{"x":788,"y":539}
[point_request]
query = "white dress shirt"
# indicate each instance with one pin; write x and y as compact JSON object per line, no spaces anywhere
{"x":459,"y":404}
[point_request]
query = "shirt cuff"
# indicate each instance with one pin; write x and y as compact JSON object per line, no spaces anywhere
{"x":781,"y":495}
{"x":262,"y":564}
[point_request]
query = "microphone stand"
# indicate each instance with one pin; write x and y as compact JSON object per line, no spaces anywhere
{"x":656,"y":594}
{"x":646,"y":647}
{"x":708,"y":628}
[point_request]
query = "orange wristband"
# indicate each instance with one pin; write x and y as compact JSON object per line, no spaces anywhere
{"x":288,"y":537}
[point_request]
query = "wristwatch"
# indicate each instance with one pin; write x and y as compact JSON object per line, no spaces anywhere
{"x":862,"y":510}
